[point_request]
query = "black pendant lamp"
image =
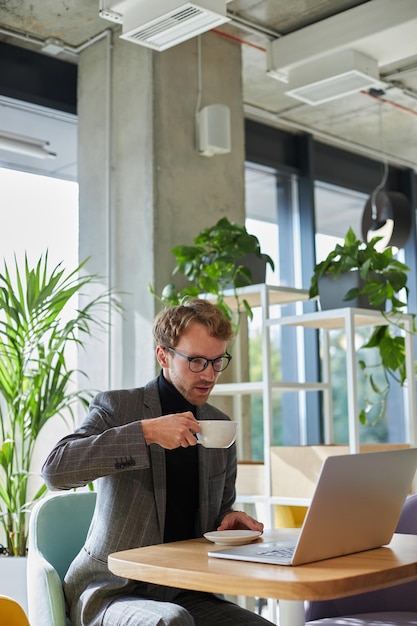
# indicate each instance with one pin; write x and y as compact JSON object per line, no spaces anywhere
{"x":387,"y":214}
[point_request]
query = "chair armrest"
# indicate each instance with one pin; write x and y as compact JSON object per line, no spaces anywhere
{"x":46,"y":602}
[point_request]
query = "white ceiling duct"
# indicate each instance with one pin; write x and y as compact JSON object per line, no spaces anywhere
{"x":162,"y":24}
{"x":375,"y":34}
{"x":331,"y":77}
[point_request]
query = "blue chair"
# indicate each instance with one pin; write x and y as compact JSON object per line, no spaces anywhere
{"x":58,"y":527}
{"x":394,"y":605}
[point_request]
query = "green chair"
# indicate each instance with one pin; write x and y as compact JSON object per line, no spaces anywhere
{"x":57,"y":530}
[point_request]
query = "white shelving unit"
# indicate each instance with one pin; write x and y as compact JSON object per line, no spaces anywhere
{"x":264,"y":296}
{"x":348,"y":319}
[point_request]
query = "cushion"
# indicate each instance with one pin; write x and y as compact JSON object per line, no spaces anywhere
{"x":391,"y":618}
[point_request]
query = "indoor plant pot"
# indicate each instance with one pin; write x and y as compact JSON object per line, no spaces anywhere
{"x":332,"y":292}
{"x":256,"y":264}
{"x":380,"y":277}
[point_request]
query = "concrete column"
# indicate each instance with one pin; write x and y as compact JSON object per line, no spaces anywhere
{"x":143,"y":186}
{"x":193,"y":191}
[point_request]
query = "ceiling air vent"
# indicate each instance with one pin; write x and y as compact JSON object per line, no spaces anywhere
{"x":163,"y":24}
{"x":332,"y":88}
{"x":335,"y":76}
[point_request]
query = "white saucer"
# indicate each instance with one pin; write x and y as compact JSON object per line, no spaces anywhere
{"x":232,"y":537}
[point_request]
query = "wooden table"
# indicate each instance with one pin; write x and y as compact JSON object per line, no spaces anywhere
{"x":185,"y":564}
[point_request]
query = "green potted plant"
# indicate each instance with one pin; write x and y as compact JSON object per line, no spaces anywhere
{"x":35,"y":333}
{"x":369,"y":279}
{"x":377,"y":276}
{"x":218,"y":261}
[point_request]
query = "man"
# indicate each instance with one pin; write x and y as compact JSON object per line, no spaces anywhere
{"x":154,"y":484}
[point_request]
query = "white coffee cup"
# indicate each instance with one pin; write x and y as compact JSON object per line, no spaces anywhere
{"x":217,"y":433}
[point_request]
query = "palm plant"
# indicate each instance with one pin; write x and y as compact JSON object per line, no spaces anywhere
{"x":35,"y":333}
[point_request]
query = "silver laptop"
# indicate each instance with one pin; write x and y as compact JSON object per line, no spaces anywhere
{"x":355,"y":506}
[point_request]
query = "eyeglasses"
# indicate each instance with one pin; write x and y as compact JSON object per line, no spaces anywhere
{"x":199,"y":363}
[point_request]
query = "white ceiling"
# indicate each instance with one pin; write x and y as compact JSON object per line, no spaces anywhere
{"x":382,"y":29}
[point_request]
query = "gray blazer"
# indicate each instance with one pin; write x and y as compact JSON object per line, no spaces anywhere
{"x":130,"y":512}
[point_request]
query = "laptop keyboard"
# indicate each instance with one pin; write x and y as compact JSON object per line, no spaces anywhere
{"x":281,"y":553}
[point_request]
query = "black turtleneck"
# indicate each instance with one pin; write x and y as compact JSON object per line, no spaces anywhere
{"x":182,"y":501}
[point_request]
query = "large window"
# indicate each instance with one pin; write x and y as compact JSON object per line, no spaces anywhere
{"x":309,"y":194}
{"x":39,"y":213}
{"x":336,"y":210}
{"x":261,"y":213}
{"x":261,"y":220}
{"x":270,"y":195}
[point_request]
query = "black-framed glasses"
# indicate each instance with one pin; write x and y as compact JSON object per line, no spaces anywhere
{"x":198,"y":364}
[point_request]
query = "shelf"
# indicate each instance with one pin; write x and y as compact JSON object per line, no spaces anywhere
{"x":245,"y":388}
{"x":348,"y":319}
{"x":259,"y":489}
{"x":336,"y":319}
{"x":257,"y":295}
{"x":273,"y":500}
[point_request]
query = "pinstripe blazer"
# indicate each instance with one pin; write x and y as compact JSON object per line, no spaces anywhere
{"x":131,"y":491}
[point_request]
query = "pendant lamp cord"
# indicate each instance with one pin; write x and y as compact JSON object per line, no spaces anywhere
{"x":385,"y":174}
